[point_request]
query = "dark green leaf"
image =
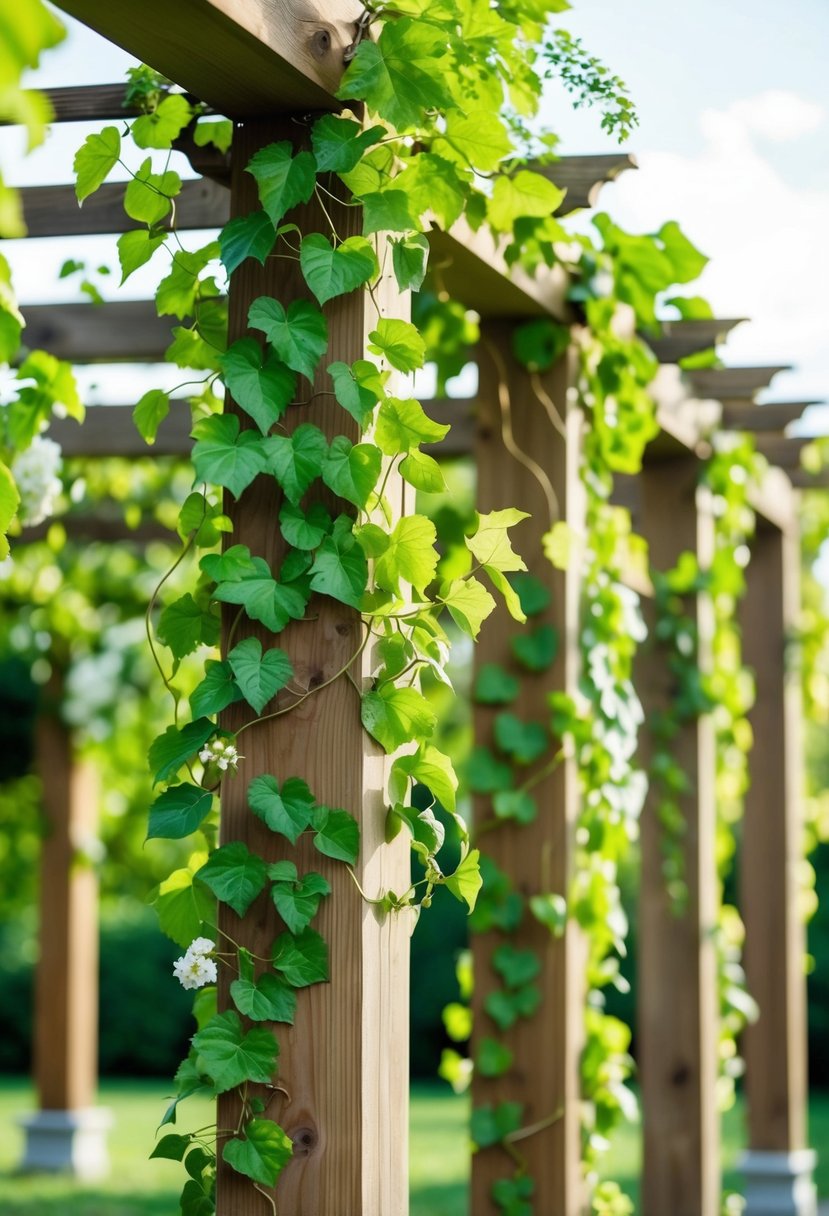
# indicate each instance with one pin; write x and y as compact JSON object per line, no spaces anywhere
{"x":296,"y":459}
{"x":488,"y":1125}
{"x":286,"y":810}
{"x":183,"y":626}
{"x":515,"y":804}
{"x":332,"y":271}
{"x":171,"y":1147}
{"x":282,"y":179}
{"x":234,"y":875}
{"x":493,"y":1059}
{"x":297,"y":902}
{"x":524,"y":742}
{"x":485,"y":774}
{"x":230,"y":1056}
{"x":261,"y":383}
{"x":223,"y":456}
{"x":339,"y":143}
{"x":262,"y":1153}
{"x":494,"y":686}
{"x":537,"y":649}
{"x":351,"y":470}
{"x":516,"y":967}
{"x":410,"y":256}
{"x":340,"y":569}
{"x":387,"y":211}
{"x":263,"y":598}
{"x":337,"y":834}
{"x":534,"y":595}
{"x":259,"y":676}
{"x":178,"y":812}
{"x":247,"y":236}
{"x":352,"y":396}
{"x":216,"y":691}
{"x":302,"y":958}
{"x":269,"y":999}
{"x":168,"y":752}
{"x":304,"y":529}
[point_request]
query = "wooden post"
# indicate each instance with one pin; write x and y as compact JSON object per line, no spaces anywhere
{"x":677,"y":1016}
{"x":67,"y":1133}
{"x":344,"y":1065}
{"x":778,"y":1165}
{"x":544,"y":1076}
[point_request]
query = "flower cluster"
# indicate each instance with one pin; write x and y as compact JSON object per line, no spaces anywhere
{"x":195,"y":968}
{"x":36,"y":474}
{"x":220,"y":752}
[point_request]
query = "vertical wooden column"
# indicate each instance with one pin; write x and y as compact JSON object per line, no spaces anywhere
{"x":678,"y":1010}
{"x":544,"y":1076}
{"x":66,"y":992}
{"x":344,"y":1065}
{"x":775,"y":1047}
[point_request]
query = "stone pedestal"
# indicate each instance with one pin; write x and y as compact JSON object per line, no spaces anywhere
{"x":779,"y":1184}
{"x":67,"y":1141}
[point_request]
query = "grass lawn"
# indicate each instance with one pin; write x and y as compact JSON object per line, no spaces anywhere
{"x":439,"y":1154}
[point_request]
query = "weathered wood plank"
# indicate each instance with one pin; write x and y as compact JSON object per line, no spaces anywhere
{"x":723,"y":383}
{"x":108,"y":430}
{"x":771,"y":416}
{"x":583,"y":177}
{"x":680,"y":339}
{"x":802,"y":480}
{"x":54,"y":210}
{"x":538,"y":857}
{"x":118,"y":331}
{"x":242,"y":58}
{"x":784,"y":452}
{"x":344,"y":1065}
{"x":677,"y":1007}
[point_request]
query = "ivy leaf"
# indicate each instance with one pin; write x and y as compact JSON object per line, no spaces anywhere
{"x":387,"y":211}
{"x":150,"y":412}
{"x":260,"y":382}
{"x":466,"y":882}
{"x":194,"y":1200}
{"x":262,"y":1153}
{"x":410,"y":555}
{"x":516,"y":967}
{"x":269,"y":999}
{"x":486,"y":774}
{"x":505,"y":1008}
{"x":297,"y":902}
{"x":299,"y":336}
{"x":148,"y":196}
{"x":479,"y":136}
{"x":493,"y":1059}
{"x":469,"y":604}
{"x":351,"y":470}
{"x":494,"y":686}
{"x":286,"y":810}
{"x":171,"y":1147}
{"x":402,"y":425}
{"x":431,"y":768}
{"x":230,"y":1056}
{"x":166,"y":123}
{"x":538,"y":344}
{"x":409,"y":259}
{"x":168,"y":752}
{"x":247,"y":236}
{"x":282,"y":179}
{"x":259,"y":676}
{"x":525,"y":195}
{"x":224,"y":457}
{"x":178,"y":292}
{"x":136,"y":248}
{"x":490,"y":544}
{"x":235,"y":563}
{"x":178,"y":812}
{"x":296,"y":459}
{"x":339,"y":143}
{"x":515,"y":804}
{"x":352,"y":396}
{"x":302,"y":958}
{"x":184,"y":625}
{"x":397,"y":76}
{"x":395,"y":715}
{"x":185,"y":907}
{"x":550,"y":910}
{"x":534,"y":595}
{"x":340,"y":569}
{"x":235,"y":875}
{"x":524,"y":742}
{"x":216,"y":691}
{"x":263,"y":598}
{"x":332,"y":271}
{"x":536,"y":650}
{"x":337,"y":834}
{"x":96,"y":157}
{"x":304,"y":529}
{"x":399,"y":342}
{"x":488,"y":1125}
{"x":423,"y":472}
{"x":511,"y":600}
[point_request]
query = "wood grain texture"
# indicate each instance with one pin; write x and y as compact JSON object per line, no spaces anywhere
{"x":66,"y":983}
{"x":584,"y":176}
{"x":120,"y":331}
{"x":242,"y":57}
{"x":108,"y":430}
{"x":54,"y":210}
{"x":544,"y":1076}
{"x":771,"y":852}
{"x":345,"y":1063}
{"x":677,"y":1009}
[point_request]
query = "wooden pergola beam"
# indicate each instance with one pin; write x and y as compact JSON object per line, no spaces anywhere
{"x":724,"y":383}
{"x":584,"y":176}
{"x":93,"y":528}
{"x":783,"y":451}
{"x":770,"y":416}
{"x":680,"y":339}
{"x":54,"y":210}
{"x":122,"y":331}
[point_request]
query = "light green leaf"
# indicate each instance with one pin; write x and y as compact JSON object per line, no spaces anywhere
{"x":246,"y":236}
{"x":262,"y":1153}
{"x":168,"y":752}
{"x":387,"y":211}
{"x":219,"y":133}
{"x":466,"y":882}
{"x":235,"y":563}
{"x":399,"y":342}
{"x":352,"y":396}
{"x":186,"y":909}
{"x":148,"y":196}
{"x":423,"y":472}
{"x":410,"y":555}
{"x":351,"y":470}
{"x":397,"y":76}
{"x":180,"y":294}
{"x":479,"y":136}
{"x":259,"y":382}
{"x":524,"y":742}
{"x":304,"y":529}
{"x":150,"y":412}
{"x":9,"y":501}
{"x":184,"y":625}
{"x":339,"y":143}
{"x":431,"y":768}
{"x":515,"y":804}
{"x":526,"y":195}
{"x":282,"y":179}
{"x":216,"y":691}
{"x":551,"y":910}
{"x":402,"y":425}
{"x":560,"y":544}
{"x":299,"y":336}
{"x":178,"y":812}
{"x":302,"y":958}
{"x":490,"y":545}
{"x":332,"y":271}
{"x":410,"y":257}
{"x":234,"y":875}
{"x":136,"y":248}
{"x":94,"y":160}
{"x":230,"y":1056}
{"x":260,"y":676}
{"x":286,"y":810}
{"x":512,"y":601}
{"x":337,"y":834}
{"x":393,"y":716}
{"x":297,"y":901}
{"x":263,"y":598}
{"x":224,"y":456}
{"x":469,"y":604}
{"x":297,"y":459}
{"x":269,"y":999}
{"x":538,"y":344}
{"x":165,"y":124}
{"x":494,"y":686}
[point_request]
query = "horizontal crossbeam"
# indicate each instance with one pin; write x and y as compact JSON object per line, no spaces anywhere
{"x":772,"y":416}
{"x":723,"y":383}
{"x":681,"y":339}
{"x":54,"y":210}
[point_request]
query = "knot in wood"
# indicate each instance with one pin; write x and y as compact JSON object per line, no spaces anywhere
{"x":681,"y":1075}
{"x":305,"y":1140}
{"x":320,"y":43}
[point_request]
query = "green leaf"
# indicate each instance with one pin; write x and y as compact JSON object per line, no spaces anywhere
{"x":183,"y":626}
{"x":234,"y":875}
{"x":387,"y":211}
{"x":299,"y":336}
{"x":136,"y":248}
{"x":247,"y":236}
{"x":340,"y":569}
{"x":219,"y":133}
{"x":185,"y":907}
{"x":537,"y":649}
{"x":494,"y":686}
{"x":171,"y":1147}
{"x":393,"y":716}
{"x":423,"y":472}
{"x":488,"y":1125}
{"x":534,"y":595}
{"x":304,"y":529}
{"x":410,"y":555}
{"x":515,"y":804}
{"x":399,"y":342}
{"x":431,"y":768}
{"x":297,"y":902}
{"x":550,"y":910}
{"x":402,"y":425}
{"x":334,"y":271}
{"x":264,"y":599}
{"x":96,"y":157}
{"x":259,"y":676}
{"x":195,"y":1201}
{"x":490,"y":545}
{"x":337,"y":834}
{"x":150,"y":412}
{"x":687,"y":263}
{"x":538,"y":344}
{"x":182,"y":293}
{"x":168,"y":752}
{"x":353,"y":396}
{"x":297,"y":459}
{"x":282,"y":179}
{"x":259,"y":381}
{"x":339,"y":143}
{"x":516,"y":967}
{"x":286,"y":810}
{"x":178,"y":812}
{"x":466,"y":882}
{"x":235,"y":563}
{"x":230,"y":1056}
{"x":469,"y":604}
{"x":216,"y":691}
{"x":148,"y":196}
{"x":479,"y":136}
{"x":524,"y":196}
{"x":486,"y":774}
{"x":351,"y":470}
{"x":165,"y":124}
{"x":269,"y":999}
{"x":225,"y":457}
{"x":493,"y":1059}
{"x":505,"y":1008}
{"x":302,"y":958}
{"x":524,"y":742}
{"x":262,"y":1153}
{"x":409,"y":258}
{"x":397,"y":76}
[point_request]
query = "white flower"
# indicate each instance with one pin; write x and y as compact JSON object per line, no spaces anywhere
{"x":36,"y":474}
{"x":194,"y":971}
{"x":220,"y":752}
{"x":201,"y":945}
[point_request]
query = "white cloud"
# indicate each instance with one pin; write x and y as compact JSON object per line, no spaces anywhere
{"x":777,"y":114}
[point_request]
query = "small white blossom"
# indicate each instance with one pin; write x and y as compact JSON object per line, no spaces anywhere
{"x":36,"y":474}
{"x":194,"y":969}
{"x":220,"y":752}
{"x":201,"y":945}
